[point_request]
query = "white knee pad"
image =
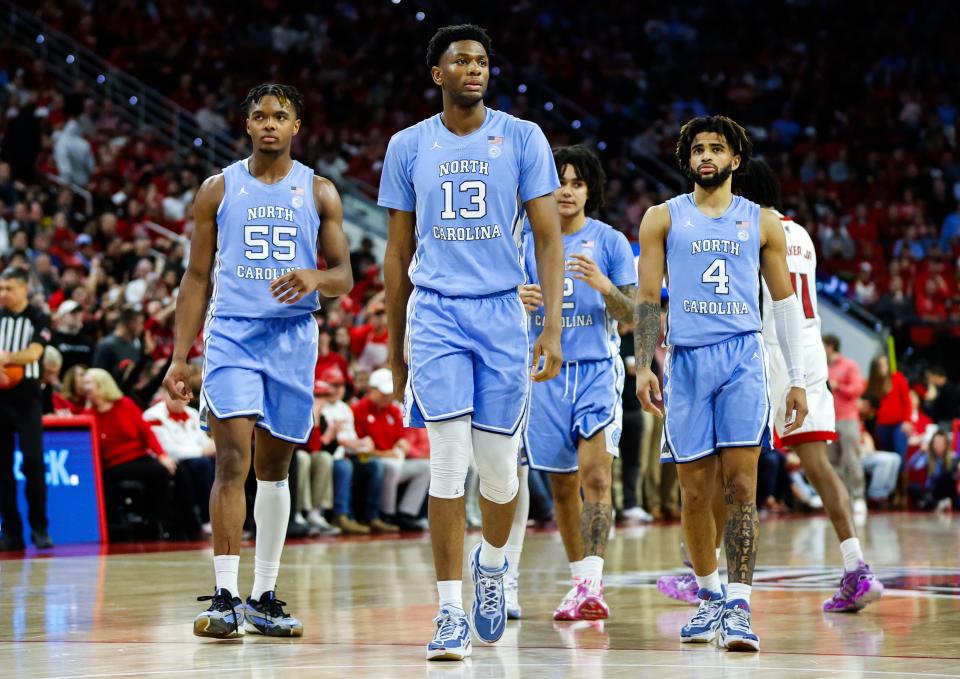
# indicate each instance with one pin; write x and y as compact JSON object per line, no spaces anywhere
{"x":496,"y":456}
{"x":451,"y":448}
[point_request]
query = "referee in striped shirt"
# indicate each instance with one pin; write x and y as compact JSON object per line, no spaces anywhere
{"x":24,"y":332}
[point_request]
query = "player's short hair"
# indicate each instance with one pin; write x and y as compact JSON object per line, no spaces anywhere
{"x":285,"y":94}
{"x":16,"y":273}
{"x":447,"y":35}
{"x":832,"y":341}
{"x":731,"y":130}
{"x":758,"y":182}
{"x":588,"y":169}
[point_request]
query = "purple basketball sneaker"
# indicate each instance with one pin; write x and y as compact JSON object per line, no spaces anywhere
{"x":857,"y":589}
{"x":680,"y":587}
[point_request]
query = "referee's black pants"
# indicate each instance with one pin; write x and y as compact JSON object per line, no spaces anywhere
{"x":21,"y":413}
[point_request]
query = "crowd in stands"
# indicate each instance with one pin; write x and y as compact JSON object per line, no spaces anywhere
{"x":866,"y":156}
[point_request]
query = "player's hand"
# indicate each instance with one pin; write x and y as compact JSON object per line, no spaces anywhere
{"x":648,"y":383}
{"x":177,"y":381}
{"x":587,"y":270}
{"x":796,"y":409}
{"x":399,"y":371}
{"x":294,"y":286}
{"x":531,"y":296}
{"x":547,"y":347}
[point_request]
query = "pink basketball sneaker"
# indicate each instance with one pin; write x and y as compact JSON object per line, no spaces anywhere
{"x":569,"y":608}
{"x":857,"y":589}
{"x":591,"y":605}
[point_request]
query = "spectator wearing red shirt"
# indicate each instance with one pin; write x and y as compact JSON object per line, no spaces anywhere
{"x":379,"y":417}
{"x":129,"y":451}
{"x":846,"y":384}
{"x":891,"y":392}
{"x":368,"y":342}
{"x":328,"y":358}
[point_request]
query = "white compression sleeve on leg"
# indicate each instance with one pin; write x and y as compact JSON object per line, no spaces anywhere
{"x":496,"y":456}
{"x":518,"y":529}
{"x":451,"y":447}
{"x":271,"y":511}
{"x":787,"y":320}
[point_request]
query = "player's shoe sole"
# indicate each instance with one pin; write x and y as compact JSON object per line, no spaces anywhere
{"x":211,"y":629}
{"x":277,"y":631}
{"x":738,"y":644}
{"x":593,"y":610}
{"x":448,"y":654}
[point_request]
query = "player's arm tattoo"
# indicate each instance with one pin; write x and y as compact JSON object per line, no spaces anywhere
{"x":620,"y":301}
{"x":595,"y":527}
{"x":740,"y":536}
{"x":646,"y":334}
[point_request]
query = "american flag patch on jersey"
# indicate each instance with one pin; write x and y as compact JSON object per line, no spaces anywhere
{"x":743,"y":223}
{"x":495,"y":139}
{"x":296,"y":190}
{"x":587,"y":243}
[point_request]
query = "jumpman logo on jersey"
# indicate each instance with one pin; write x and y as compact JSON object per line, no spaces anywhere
{"x":243,"y":191}
{"x":689,"y":223}
{"x":436,"y":145}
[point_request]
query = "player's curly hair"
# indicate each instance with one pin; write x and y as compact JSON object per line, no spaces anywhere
{"x":446,"y":35}
{"x":758,"y":182}
{"x":285,"y":94}
{"x":588,"y":169}
{"x":731,"y":130}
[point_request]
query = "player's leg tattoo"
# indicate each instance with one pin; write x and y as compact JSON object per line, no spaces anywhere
{"x":595,"y":527}
{"x":740,"y":535}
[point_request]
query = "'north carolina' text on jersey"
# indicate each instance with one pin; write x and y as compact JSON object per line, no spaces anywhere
{"x":589,"y":332}
{"x":468,"y":194}
{"x":713,"y":272}
{"x":264,"y":231}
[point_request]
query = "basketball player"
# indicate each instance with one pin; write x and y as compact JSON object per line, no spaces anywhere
{"x":858,"y":586}
{"x":714,"y":246}
{"x":575,"y":421}
{"x":253,"y":270}
{"x":456,"y":187}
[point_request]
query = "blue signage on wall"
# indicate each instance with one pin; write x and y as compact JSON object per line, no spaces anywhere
{"x":73,"y":505}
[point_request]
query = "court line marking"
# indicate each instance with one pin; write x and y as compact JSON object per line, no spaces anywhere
{"x":423,"y":664}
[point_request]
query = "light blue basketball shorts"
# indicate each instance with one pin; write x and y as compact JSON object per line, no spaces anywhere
{"x":467,"y":355}
{"x":715,"y":396}
{"x":262,"y":367}
{"x":585,"y":399}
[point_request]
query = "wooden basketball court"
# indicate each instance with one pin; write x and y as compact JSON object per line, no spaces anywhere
{"x":367,"y":605}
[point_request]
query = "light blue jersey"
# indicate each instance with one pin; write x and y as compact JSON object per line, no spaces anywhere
{"x":589,"y":332}
{"x":468,"y":194}
{"x":713,"y":272}
{"x":264,"y":231}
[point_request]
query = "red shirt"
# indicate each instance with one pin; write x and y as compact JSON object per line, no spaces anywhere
{"x":360,"y":335}
{"x":895,"y":406}
{"x":383,"y":425}
{"x":419,"y":443}
{"x":847,"y":387}
{"x":330,"y":360}
{"x":124,"y":435}
{"x":62,"y":403}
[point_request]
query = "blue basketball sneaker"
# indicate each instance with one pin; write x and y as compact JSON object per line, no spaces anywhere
{"x":489,"y":614}
{"x":452,"y":640}
{"x":267,"y":617}
{"x":703,"y":626}
{"x":735,"y":631}
{"x":224,"y":618}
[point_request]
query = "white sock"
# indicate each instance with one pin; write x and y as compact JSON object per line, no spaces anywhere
{"x":710,"y":582}
{"x":491,"y":558}
{"x":226,"y":567}
{"x":271,"y":511}
{"x":739,"y":591}
{"x":577,"y":571}
{"x":592,"y":568}
{"x":518,"y":530}
{"x":852,"y":554}
{"x":451,"y":593}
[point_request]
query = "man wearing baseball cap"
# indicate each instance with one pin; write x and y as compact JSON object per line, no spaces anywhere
{"x":69,"y":338}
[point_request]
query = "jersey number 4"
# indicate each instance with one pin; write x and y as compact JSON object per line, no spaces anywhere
{"x":716,"y":274}
{"x":478,"y":198}
{"x":258,"y":239}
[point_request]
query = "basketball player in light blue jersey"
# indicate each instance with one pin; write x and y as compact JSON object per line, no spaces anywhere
{"x":253,"y":273}
{"x":575,"y":420}
{"x":457,"y":187}
{"x":715,"y":388}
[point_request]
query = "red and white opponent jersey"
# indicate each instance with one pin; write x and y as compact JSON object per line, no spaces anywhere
{"x":802,"y":263}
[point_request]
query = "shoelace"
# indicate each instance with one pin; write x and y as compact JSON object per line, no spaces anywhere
{"x":492,"y":602}
{"x":738,"y":620}
{"x":704,"y":613}
{"x":448,"y":626}
{"x":274,"y":608}
{"x":848,"y":585}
